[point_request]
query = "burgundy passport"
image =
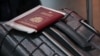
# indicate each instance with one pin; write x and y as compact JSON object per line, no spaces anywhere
{"x":40,"y":18}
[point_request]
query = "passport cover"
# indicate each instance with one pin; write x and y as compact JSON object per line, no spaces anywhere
{"x":40,"y":18}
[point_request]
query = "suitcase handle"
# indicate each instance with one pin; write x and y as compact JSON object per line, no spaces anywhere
{"x":72,"y":34}
{"x":91,"y":28}
{"x":87,"y":25}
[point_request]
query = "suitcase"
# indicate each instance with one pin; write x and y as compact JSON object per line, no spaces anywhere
{"x":71,"y":36}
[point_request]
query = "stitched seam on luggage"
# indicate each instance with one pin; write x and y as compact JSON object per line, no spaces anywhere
{"x":78,"y":27}
{"x":48,"y":45}
{"x":4,"y":36}
{"x":19,"y":43}
{"x":65,"y":18}
{"x":36,"y":49}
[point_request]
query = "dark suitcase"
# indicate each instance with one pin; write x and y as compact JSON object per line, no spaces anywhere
{"x":71,"y":36}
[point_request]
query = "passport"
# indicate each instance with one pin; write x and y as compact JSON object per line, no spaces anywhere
{"x":38,"y":18}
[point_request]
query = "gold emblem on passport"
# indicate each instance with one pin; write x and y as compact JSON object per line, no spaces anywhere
{"x":36,"y":19}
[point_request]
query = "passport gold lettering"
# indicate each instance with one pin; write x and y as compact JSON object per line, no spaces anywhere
{"x":36,"y":19}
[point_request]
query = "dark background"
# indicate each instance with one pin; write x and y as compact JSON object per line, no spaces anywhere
{"x":11,"y":8}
